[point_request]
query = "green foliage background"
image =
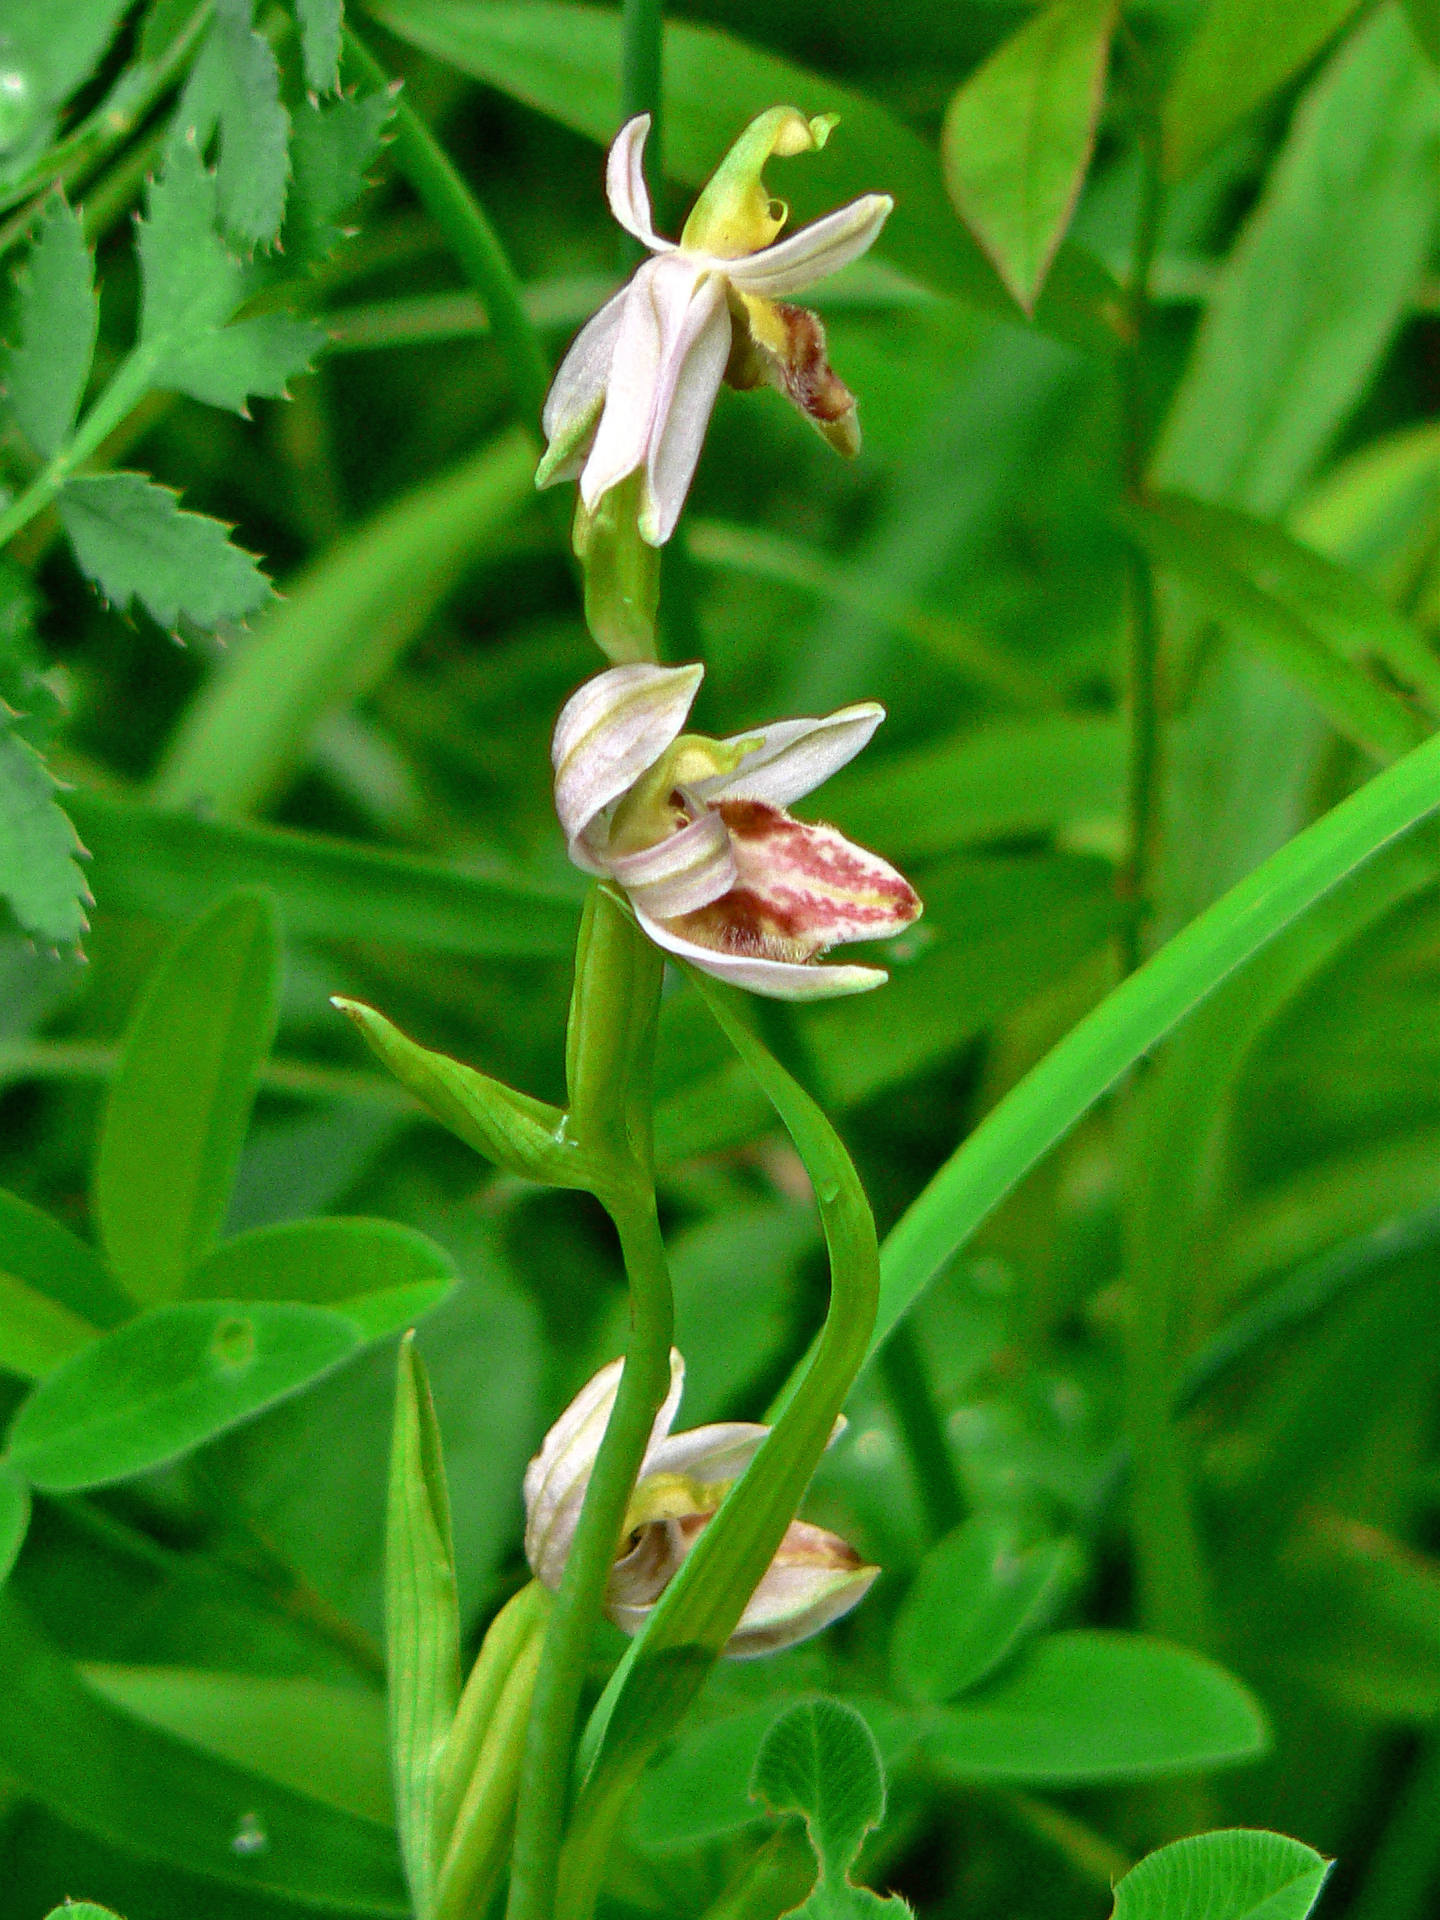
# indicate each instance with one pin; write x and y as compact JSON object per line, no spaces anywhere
{"x":1181,"y":1386}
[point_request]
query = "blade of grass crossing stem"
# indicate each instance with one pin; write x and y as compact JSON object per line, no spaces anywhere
{"x":666,"y":1665}
{"x":1044,"y":1106}
{"x":422,"y":1628}
{"x":180,"y":1105}
{"x":469,"y":235}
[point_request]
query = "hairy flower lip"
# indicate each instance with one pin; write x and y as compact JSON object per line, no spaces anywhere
{"x":696,"y":834}
{"x":814,"y":1577}
{"x":636,"y":388}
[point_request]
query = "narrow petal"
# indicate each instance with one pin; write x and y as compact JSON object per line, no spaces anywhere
{"x":625,"y":183}
{"x":684,"y":402}
{"x":736,"y":214}
{"x":577,"y":394}
{"x":721,"y":1451}
{"x":684,"y":872}
{"x":793,"y":757}
{"x":656,"y":303}
{"x":610,"y":731}
{"x":556,"y":1479}
{"x":814,"y":1579}
{"x":815,"y":251}
{"x":775,"y":979}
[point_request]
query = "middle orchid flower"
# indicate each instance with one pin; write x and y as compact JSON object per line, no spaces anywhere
{"x":635,"y":391}
{"x":814,"y":1578}
{"x":695,"y":831}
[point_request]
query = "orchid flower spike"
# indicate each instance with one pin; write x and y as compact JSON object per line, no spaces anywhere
{"x":814,"y":1578}
{"x":696,"y":833}
{"x":635,"y":391}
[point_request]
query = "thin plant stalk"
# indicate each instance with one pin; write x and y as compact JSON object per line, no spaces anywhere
{"x":468,"y":233}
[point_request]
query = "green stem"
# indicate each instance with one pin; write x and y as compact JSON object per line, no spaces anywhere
{"x":545,"y":1771}
{"x":125,"y":391}
{"x":112,"y":122}
{"x":913,"y":1404}
{"x":1144,"y":661}
{"x":610,"y":1049}
{"x":469,"y":235}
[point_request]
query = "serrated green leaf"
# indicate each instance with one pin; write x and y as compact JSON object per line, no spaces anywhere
{"x":1019,"y":134}
{"x":14,"y":1517}
{"x":167,"y":1382}
{"x":422,"y":1627}
{"x":58,"y":315}
{"x":820,"y":1760}
{"x":977,"y":1598}
{"x":320,"y":23}
{"x":136,"y":542}
{"x":40,"y":878}
{"x":180,"y":1103}
{"x":256,"y":357}
{"x":234,"y":89}
{"x":1237,"y":1874}
{"x":332,"y":145}
{"x":1241,"y":52}
{"x":189,"y":279}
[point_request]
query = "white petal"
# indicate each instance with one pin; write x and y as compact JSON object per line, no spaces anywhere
{"x":610,"y":732}
{"x":794,"y":756}
{"x":685,"y":399}
{"x":721,"y":1451}
{"x":556,"y":1479}
{"x":814,"y":252}
{"x":683,"y":872}
{"x":814,"y":1578}
{"x":775,"y":979}
{"x":656,"y":302}
{"x":578,"y":392}
{"x":625,"y":183}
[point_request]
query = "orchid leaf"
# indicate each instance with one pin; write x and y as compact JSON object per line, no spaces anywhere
{"x":422,"y":1628}
{"x":525,"y":1136}
{"x":1235,"y":1874}
{"x":820,"y":1760}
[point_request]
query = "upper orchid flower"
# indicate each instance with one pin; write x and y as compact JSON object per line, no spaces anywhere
{"x":814,"y":1578}
{"x":696,"y":832}
{"x":635,"y":391}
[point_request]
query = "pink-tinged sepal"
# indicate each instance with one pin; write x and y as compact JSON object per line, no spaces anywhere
{"x":814,"y":1579}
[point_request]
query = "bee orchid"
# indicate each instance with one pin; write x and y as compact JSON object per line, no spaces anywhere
{"x":696,"y":833}
{"x":635,"y":392}
{"x":814,"y":1578}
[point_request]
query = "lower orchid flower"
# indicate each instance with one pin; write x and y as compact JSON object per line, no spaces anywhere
{"x":696,"y":833}
{"x":814,"y":1578}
